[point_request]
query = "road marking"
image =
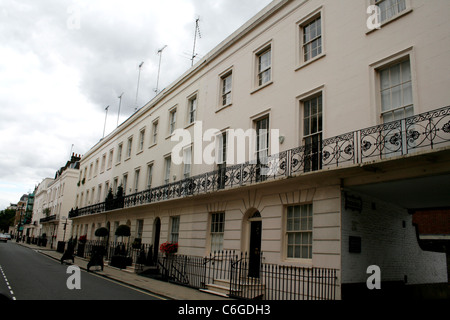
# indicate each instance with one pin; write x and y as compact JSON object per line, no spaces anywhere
{"x":129,"y":287}
{"x":7,"y":283}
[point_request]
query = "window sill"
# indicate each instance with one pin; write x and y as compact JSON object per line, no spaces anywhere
{"x":407,"y":11}
{"x":220,"y":108}
{"x":262,"y":87}
{"x":152,"y":145}
{"x":140,"y":152}
{"x":189,"y":125}
{"x":307,"y":63}
{"x":300,"y":261}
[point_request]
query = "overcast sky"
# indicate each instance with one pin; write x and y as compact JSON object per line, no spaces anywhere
{"x":62,"y":62}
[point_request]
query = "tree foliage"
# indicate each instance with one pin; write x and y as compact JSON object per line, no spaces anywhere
{"x":6,"y":219}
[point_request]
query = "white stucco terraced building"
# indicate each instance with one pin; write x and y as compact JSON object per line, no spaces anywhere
{"x":363,"y":141}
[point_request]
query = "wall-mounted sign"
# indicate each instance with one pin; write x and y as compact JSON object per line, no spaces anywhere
{"x":353,"y":203}
{"x":354,"y":244}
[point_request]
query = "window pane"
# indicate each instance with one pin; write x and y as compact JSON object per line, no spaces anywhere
{"x":395,"y":75}
{"x":396,"y":97}
{"x":386,"y":100}
{"x":406,"y":71}
{"x":407,"y":94}
{"x":384,"y":78}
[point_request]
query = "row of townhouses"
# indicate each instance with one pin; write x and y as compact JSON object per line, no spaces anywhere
{"x":309,"y":138}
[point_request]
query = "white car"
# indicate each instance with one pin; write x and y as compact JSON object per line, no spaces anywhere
{"x":4,"y":237}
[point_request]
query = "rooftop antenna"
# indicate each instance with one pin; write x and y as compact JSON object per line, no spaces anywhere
{"x":120,"y":103}
{"x":197,"y":32}
{"x":105,"y":120}
{"x":159,"y":67}
{"x":137,"y":90}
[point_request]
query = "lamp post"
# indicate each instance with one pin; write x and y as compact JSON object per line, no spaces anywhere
{"x":19,"y":225}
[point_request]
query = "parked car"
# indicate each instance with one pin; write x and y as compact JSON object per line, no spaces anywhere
{"x":3,"y":237}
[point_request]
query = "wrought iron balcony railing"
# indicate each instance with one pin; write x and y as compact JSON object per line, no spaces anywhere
{"x":406,"y":136}
{"x":49,"y":219}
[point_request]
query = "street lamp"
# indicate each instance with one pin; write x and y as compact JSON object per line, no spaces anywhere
{"x":19,"y":225}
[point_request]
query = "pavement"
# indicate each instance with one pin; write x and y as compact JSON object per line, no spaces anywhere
{"x":167,"y":290}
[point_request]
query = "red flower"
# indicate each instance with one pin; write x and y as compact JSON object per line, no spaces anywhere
{"x":169,"y":247}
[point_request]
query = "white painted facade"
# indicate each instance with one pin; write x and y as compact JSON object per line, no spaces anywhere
{"x":346,"y":75}
{"x":60,"y":196}
{"x":40,"y":204}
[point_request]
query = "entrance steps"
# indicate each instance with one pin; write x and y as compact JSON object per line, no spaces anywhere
{"x":250,"y":287}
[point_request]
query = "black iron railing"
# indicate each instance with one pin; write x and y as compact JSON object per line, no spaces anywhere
{"x":49,"y":219}
{"x":280,"y":282}
{"x":116,"y":253}
{"x":269,"y":282}
{"x":406,"y":136}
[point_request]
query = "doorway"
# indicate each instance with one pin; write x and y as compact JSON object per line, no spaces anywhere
{"x":255,"y":245}
{"x":156,"y":233}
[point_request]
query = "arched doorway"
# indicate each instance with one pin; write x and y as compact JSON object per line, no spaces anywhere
{"x":156,"y":235}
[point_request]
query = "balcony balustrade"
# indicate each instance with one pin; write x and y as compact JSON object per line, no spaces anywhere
{"x":402,"y":137}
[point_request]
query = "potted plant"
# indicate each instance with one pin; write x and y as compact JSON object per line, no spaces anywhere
{"x":119,"y":203}
{"x":169,"y":248}
{"x":109,"y":201}
{"x":120,"y":258}
{"x":101,"y":232}
{"x":137,"y":243}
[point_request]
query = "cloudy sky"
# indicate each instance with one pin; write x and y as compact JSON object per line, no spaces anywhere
{"x":62,"y":62}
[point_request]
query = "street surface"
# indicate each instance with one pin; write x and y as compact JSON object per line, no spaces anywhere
{"x":25,"y":274}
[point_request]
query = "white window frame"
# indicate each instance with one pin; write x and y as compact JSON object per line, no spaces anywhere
{"x":226,"y":93}
{"x":110,"y":159}
{"x":137,"y":173}
{"x":154,"y":137}
{"x":300,"y":25}
{"x":149,"y":174}
{"x":375,"y":85}
{"x":167,"y":168}
{"x":172,"y":120}
{"x":125,"y":183}
{"x":402,"y":108}
{"x":141,"y":140}
{"x":174,"y":229}
{"x":129,"y":147}
{"x":262,"y":70}
{"x":407,"y":10}
{"x":289,"y":229}
{"x":217,"y":230}
{"x":187,"y":161}
{"x":192,"y":108}
{"x":119,"y":153}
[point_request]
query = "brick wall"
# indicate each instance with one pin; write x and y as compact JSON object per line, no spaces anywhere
{"x":388,"y":240}
{"x":433,"y":221}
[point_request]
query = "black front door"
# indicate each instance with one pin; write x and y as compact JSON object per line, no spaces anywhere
{"x":156,"y":240}
{"x":255,"y":249}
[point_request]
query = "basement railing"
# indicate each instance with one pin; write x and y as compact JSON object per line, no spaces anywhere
{"x":402,"y":137}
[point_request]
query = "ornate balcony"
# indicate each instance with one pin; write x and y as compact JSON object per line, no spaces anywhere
{"x":49,"y":219}
{"x":424,"y":131}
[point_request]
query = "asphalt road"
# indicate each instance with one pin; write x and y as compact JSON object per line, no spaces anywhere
{"x":28,"y":275}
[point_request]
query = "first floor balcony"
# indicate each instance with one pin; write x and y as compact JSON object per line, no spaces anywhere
{"x":419,"y":134}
